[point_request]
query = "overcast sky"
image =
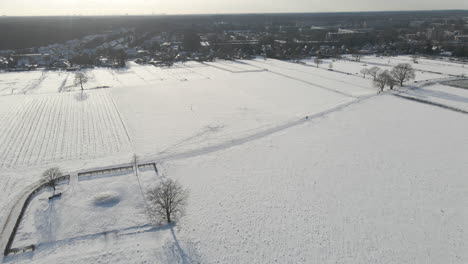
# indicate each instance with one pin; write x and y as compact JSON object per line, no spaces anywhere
{"x":114,"y":7}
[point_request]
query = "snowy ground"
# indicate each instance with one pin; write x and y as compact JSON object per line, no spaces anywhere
{"x":89,"y":206}
{"x":381,"y":182}
{"x":116,"y":230}
{"x":45,"y":82}
{"x":40,"y":129}
{"x":442,"y":94}
{"x":435,"y":66}
{"x":354,"y":68}
{"x":226,"y":106}
{"x":365,"y":179}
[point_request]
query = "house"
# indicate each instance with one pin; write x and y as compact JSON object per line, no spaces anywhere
{"x":61,"y":64}
{"x":462,"y":38}
{"x":446,"y":54}
{"x":32,"y":59}
{"x":342,"y":34}
{"x":3,"y":62}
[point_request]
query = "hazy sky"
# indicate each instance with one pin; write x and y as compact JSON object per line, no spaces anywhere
{"x":112,"y":7}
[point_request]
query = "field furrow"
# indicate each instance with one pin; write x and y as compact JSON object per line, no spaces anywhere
{"x":49,"y":128}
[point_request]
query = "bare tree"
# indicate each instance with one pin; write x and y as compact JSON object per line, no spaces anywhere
{"x":390,"y":81}
{"x":374,"y":71}
{"x":80,"y":79}
{"x":415,"y":58}
{"x":380,"y":81}
{"x":51,"y":176}
{"x":403,"y":72}
{"x":330,"y":66}
{"x":168,"y":200}
{"x":383,"y":79}
{"x":364,"y":72}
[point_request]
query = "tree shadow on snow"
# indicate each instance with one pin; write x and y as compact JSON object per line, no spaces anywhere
{"x":80,"y":97}
{"x":178,"y":252}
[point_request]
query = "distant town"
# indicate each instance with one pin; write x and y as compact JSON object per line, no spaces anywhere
{"x":164,"y":40}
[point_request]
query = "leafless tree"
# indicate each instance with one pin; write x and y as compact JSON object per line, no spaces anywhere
{"x":415,"y":58}
{"x":317,"y":61}
{"x":80,"y":79}
{"x":403,"y":72}
{"x":51,"y":176}
{"x":380,"y":82}
{"x":374,"y":71}
{"x":330,"y":66}
{"x":364,"y":72}
{"x":390,"y":81}
{"x":383,"y":79}
{"x":168,"y":200}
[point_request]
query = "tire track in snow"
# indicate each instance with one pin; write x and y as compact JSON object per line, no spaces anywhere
{"x":100,"y":125}
{"x":254,"y":136}
{"x":25,"y":123}
{"x":313,"y":84}
{"x":36,"y":122}
{"x":38,"y":133}
{"x":12,"y":127}
{"x":7,"y":120}
{"x":48,"y":128}
{"x":120,"y":117}
{"x":304,"y":81}
{"x":428,"y":102}
{"x":36,"y":84}
{"x":58,"y":131}
{"x":60,"y":89}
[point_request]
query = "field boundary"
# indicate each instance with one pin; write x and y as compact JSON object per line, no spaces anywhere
{"x":8,"y":248}
{"x":111,"y":170}
{"x":431,"y":103}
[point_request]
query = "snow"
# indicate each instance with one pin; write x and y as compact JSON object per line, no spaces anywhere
{"x":383,"y":181}
{"x":354,"y":68}
{"x":442,"y":94}
{"x":339,"y":83}
{"x":364,"y":178}
{"x":108,"y":198}
{"x":101,"y":232}
{"x":442,"y":67}
{"x":203,"y":112}
{"x":53,"y":82}
{"x":86,"y":207}
{"x":19,"y":82}
{"x":49,"y":128}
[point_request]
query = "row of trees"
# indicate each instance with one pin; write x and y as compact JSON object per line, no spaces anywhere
{"x":400,"y":74}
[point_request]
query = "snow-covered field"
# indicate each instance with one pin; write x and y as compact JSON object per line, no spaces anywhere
{"x":354,"y":68}
{"x":436,"y":66}
{"x":96,"y":214}
{"x":380,"y":182}
{"x":89,"y":206}
{"x":187,"y":115}
{"x":442,"y":94}
{"x":44,"y":82}
{"x":284,"y":162}
{"x":40,"y":129}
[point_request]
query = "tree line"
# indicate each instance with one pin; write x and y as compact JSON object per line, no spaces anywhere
{"x":400,"y":74}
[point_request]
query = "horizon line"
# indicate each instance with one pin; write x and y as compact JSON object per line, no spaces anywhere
{"x":240,"y":13}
